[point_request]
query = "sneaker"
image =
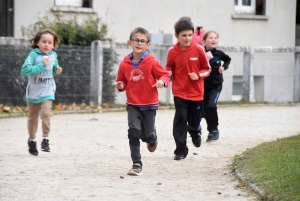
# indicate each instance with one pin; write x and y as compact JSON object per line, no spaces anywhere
{"x":179,"y":157}
{"x":196,"y":139}
{"x":32,"y":148}
{"x":136,"y":170}
{"x":152,"y":146}
{"x":209,"y":137}
{"x":45,"y":145}
{"x":215,"y":135}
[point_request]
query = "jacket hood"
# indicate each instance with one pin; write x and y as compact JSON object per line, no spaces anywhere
{"x":38,"y":51}
{"x":128,"y":60}
{"x":178,"y":48}
{"x":212,"y":50}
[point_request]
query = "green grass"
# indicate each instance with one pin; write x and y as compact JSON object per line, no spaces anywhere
{"x":274,"y":167}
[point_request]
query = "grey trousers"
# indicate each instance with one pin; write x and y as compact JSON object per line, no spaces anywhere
{"x":141,"y":126}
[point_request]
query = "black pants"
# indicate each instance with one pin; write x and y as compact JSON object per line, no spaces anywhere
{"x":187,"y":119}
{"x":141,"y":126}
{"x":211,"y":97}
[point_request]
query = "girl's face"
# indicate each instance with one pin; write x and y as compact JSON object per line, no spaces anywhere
{"x":46,"y":43}
{"x":185,"y":38}
{"x":211,"y":41}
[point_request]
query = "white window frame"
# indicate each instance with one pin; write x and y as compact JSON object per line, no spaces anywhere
{"x":73,"y":3}
{"x":73,"y":6}
{"x":241,"y":9}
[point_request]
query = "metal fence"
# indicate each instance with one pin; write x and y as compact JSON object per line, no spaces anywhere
{"x":72,"y":84}
{"x":258,"y":74}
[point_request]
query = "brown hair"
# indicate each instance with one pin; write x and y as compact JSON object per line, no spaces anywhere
{"x":34,"y":41}
{"x":140,"y":30}
{"x":209,"y":32}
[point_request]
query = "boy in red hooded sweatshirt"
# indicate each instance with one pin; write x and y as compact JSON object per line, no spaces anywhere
{"x":188,"y":65}
{"x":140,"y":74}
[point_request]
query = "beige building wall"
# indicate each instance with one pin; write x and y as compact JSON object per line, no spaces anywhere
{"x":277,"y":28}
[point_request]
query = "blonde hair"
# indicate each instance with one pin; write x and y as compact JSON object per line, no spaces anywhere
{"x":209,"y":32}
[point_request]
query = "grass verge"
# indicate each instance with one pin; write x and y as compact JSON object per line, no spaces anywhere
{"x":273,"y":167}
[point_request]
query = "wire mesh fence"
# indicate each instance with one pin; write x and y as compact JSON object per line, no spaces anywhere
{"x":89,"y":72}
{"x":12,"y":83}
{"x":72,"y":84}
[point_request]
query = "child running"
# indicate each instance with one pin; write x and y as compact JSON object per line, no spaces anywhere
{"x":140,"y":74}
{"x":213,"y":83}
{"x":188,"y":65}
{"x":39,"y":66}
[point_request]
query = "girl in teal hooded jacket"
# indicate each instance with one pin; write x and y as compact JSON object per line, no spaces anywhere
{"x":39,"y":66}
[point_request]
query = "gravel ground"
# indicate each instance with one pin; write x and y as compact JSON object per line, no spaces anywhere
{"x":90,"y":157}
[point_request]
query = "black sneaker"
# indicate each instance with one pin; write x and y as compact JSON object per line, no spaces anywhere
{"x":179,"y":157}
{"x":209,"y":137}
{"x":32,"y":148}
{"x":215,"y":135}
{"x":45,"y":145}
{"x":196,"y":139}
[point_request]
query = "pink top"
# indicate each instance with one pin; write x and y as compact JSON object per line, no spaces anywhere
{"x":198,"y":39}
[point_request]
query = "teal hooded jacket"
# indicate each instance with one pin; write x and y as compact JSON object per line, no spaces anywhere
{"x":41,"y":85}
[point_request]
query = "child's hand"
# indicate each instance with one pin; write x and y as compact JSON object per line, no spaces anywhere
{"x":119,"y":85}
{"x":221,"y":69}
{"x":46,"y":60}
{"x":58,"y":70}
{"x":170,"y":72}
{"x":159,"y":84}
{"x":194,"y":76}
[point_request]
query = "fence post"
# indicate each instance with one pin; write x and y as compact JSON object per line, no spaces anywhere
{"x":96,"y":73}
{"x":296,"y":93}
{"x":246,"y":74}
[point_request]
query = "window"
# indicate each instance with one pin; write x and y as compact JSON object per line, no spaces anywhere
{"x":254,"y":7}
{"x":6,"y":17}
{"x":73,"y":6}
{"x":74,"y":3}
{"x":244,"y":6}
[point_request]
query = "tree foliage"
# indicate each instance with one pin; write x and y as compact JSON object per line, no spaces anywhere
{"x":70,"y":30}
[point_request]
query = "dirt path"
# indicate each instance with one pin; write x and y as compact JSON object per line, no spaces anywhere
{"x":90,"y":152}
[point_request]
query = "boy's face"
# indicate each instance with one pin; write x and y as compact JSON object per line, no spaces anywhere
{"x":185,"y":38}
{"x":139,"y":43}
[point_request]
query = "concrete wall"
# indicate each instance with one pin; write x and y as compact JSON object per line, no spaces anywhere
{"x":277,"y":28}
{"x":273,"y":73}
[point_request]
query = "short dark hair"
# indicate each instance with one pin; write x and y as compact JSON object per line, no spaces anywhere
{"x":140,"y":30}
{"x":182,"y":25}
{"x":185,"y":18}
{"x":35,"y":40}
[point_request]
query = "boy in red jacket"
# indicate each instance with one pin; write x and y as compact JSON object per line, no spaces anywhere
{"x":140,"y":74}
{"x":188,"y":64}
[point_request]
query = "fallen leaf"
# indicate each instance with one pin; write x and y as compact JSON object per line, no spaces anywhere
{"x":195,"y":153}
{"x":250,"y":191}
{"x":159,"y":183}
{"x":242,"y":184}
{"x":6,"y":109}
{"x":121,"y":177}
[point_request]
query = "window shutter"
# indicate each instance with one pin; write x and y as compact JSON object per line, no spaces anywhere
{"x":77,"y":3}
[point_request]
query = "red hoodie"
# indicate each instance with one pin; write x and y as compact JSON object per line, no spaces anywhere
{"x":181,"y":63}
{"x":138,"y":82}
